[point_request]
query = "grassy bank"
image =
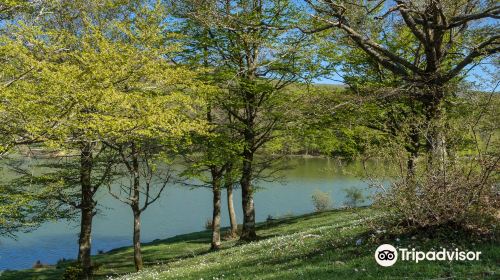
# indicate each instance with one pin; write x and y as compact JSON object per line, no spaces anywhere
{"x":329,"y":245}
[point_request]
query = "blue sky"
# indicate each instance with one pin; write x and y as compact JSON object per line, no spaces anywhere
{"x":484,"y":77}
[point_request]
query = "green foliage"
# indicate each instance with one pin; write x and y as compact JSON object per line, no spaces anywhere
{"x":225,"y":79}
{"x":8,"y":8}
{"x":90,"y":82}
{"x":19,"y":211}
{"x":24,"y":205}
{"x":100,"y":80}
{"x":73,"y":272}
{"x":328,"y":121}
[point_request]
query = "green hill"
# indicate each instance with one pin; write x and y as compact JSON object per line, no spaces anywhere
{"x":329,"y":245}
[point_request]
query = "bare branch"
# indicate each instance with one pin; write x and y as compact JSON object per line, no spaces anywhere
{"x":480,"y":50}
{"x":493,"y":12}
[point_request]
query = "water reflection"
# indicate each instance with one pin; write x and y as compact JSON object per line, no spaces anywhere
{"x":182,"y":210}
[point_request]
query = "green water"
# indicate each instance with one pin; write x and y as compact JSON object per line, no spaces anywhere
{"x":181,"y":210}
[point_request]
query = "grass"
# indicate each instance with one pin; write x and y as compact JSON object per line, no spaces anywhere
{"x":335,"y":244}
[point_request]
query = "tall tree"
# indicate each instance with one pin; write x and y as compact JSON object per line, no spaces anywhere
{"x":210,"y":160}
{"x":448,"y":39}
{"x":218,"y":148}
{"x":150,"y":115}
{"x":75,"y":58}
{"x":256,"y":53}
{"x":146,"y":184}
{"x":34,"y":88}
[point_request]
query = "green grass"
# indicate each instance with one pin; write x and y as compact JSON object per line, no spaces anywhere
{"x":314,"y":246}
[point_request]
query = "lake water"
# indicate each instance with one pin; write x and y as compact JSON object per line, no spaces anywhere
{"x":181,"y":210}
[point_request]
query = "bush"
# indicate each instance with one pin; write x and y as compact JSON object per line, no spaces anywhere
{"x":463,"y":193}
{"x":321,"y":200}
{"x":73,"y":272}
{"x":353,"y":197}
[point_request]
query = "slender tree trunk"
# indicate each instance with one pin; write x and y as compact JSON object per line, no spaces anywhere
{"x":87,"y":211}
{"x":216,"y":214}
{"x":137,"y":239}
{"x":85,"y":242}
{"x":248,"y":230}
{"x":230,"y":208}
{"x":136,"y":210}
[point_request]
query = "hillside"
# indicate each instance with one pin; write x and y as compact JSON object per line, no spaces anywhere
{"x":330,"y":245}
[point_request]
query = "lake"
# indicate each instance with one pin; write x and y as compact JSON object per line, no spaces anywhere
{"x":180,"y":210}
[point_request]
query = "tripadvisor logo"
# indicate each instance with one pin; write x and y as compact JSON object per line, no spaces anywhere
{"x":387,"y":255}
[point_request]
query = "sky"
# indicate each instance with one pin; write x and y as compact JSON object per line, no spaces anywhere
{"x":483,"y":77}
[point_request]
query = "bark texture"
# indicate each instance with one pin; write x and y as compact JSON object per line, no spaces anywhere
{"x":248,"y":231}
{"x":87,"y":211}
{"x":215,"y":244}
{"x":232,"y":214}
{"x":136,"y":209}
{"x":137,"y":241}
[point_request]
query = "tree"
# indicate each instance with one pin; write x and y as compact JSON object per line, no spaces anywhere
{"x":33,"y":86}
{"x":214,"y":153}
{"x":144,"y":176}
{"x":447,"y":39}
{"x":80,"y":66}
{"x":211,"y":160}
{"x":254,"y":62}
{"x":151,"y":115}
{"x":153,"y":107}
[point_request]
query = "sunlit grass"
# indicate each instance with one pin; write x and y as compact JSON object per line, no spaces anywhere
{"x":330,"y":245}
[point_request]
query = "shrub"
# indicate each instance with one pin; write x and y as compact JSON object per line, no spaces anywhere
{"x":321,"y":200}
{"x":353,"y":197}
{"x":73,"y":272}
{"x":462,"y":193}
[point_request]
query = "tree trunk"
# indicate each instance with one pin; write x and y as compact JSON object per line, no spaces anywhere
{"x":248,"y":230}
{"x":232,"y":213}
{"x":87,"y":211}
{"x":136,"y":210}
{"x":411,"y":165}
{"x":216,"y":214}
{"x":438,"y":151}
{"x":85,"y":242}
{"x":413,"y":149}
{"x":137,"y":239}
{"x":436,"y":139}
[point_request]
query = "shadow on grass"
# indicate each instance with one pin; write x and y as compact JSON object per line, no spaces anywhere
{"x":38,"y":274}
{"x":120,"y":260}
